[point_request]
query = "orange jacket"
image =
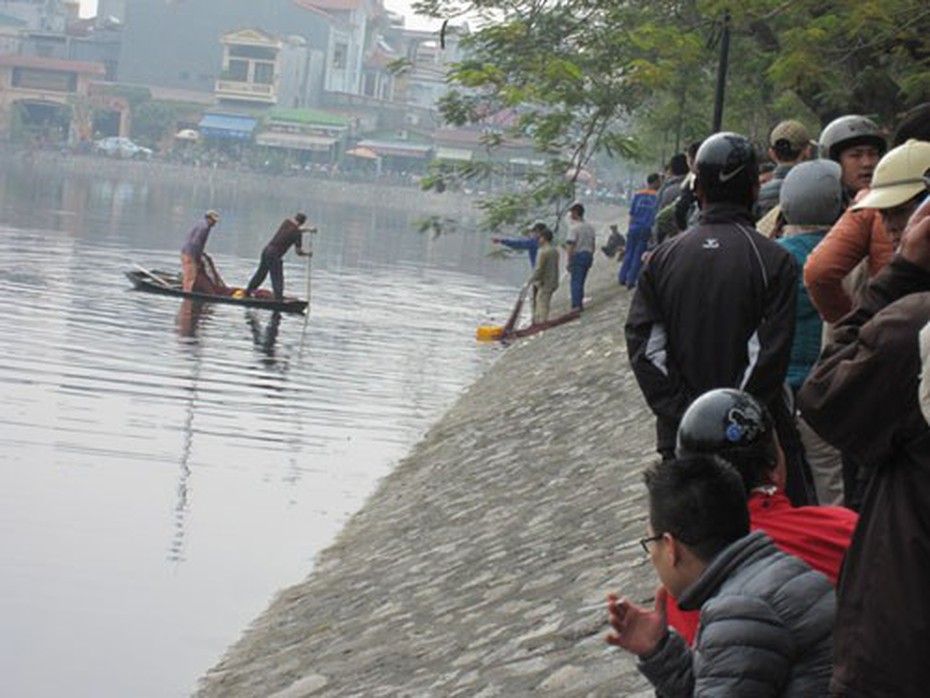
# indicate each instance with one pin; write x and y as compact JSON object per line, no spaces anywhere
{"x":855,"y":236}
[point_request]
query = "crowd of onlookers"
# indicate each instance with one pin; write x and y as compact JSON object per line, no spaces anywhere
{"x":779,"y":329}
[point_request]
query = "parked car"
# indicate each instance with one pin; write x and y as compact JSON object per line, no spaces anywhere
{"x":116,"y":147}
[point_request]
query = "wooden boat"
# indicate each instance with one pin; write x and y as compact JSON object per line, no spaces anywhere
{"x":540,"y":326}
{"x":169,"y":284}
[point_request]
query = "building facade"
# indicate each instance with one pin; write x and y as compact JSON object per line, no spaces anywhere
{"x":177,"y":44}
{"x":47,"y":96}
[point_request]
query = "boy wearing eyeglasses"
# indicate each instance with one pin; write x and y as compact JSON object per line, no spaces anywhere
{"x":766,"y":616}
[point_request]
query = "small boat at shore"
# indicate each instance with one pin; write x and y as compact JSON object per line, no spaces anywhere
{"x":540,"y":326}
{"x":503,"y":334}
{"x":169,"y":284}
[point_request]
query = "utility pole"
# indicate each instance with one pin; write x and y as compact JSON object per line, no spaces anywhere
{"x":722,"y":73}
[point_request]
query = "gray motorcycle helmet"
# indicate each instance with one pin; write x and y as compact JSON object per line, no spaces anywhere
{"x":849,"y":131}
{"x":812,"y":194}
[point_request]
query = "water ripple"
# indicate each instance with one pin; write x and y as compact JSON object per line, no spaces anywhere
{"x":149,"y":448}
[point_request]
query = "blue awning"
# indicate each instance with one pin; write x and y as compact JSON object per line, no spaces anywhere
{"x":226,"y":126}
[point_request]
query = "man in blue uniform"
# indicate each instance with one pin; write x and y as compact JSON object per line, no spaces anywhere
{"x":642,"y":216}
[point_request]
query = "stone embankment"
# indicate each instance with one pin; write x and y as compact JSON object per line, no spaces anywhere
{"x":480,"y":566}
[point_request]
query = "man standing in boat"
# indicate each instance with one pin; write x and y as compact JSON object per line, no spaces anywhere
{"x":194,"y":259}
{"x":289,"y":233}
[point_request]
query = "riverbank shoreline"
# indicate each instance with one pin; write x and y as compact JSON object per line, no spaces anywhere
{"x":381,"y":194}
{"x":480,"y":565}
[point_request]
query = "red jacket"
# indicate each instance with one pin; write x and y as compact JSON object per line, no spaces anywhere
{"x":817,"y":535}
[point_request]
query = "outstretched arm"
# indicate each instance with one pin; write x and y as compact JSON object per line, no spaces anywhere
{"x":298,"y":247}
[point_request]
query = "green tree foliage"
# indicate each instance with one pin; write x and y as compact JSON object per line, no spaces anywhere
{"x":589,"y":78}
{"x":153,"y":120}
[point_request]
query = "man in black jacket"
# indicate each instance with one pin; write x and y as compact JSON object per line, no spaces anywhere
{"x":289,"y":234}
{"x":714,"y":307}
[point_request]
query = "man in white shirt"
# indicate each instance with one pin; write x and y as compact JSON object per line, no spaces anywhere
{"x":580,"y":248}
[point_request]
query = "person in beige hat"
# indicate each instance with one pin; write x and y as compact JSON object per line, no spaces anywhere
{"x":789,"y":144}
{"x":899,"y":184}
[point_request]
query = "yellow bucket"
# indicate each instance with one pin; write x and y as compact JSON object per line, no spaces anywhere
{"x":489,"y":332}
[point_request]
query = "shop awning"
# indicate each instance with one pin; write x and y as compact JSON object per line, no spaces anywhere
{"x":294,"y":141}
{"x":398,"y":148}
{"x":364,"y":153}
{"x":462,"y":154}
{"x":527,"y":162}
{"x":187,"y":134}
{"x":226,"y":126}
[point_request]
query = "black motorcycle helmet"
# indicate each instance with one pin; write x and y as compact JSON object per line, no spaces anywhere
{"x":727,"y":170}
{"x":734,"y":425}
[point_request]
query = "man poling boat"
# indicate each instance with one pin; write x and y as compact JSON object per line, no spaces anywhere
{"x":289,"y":234}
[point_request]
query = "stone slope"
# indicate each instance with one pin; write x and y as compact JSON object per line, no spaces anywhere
{"x":479,"y":567}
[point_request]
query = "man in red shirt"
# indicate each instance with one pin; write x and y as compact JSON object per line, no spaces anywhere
{"x":735,"y":426}
{"x":289,"y":233}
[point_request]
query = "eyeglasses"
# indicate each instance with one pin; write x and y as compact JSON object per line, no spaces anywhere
{"x":651,"y":539}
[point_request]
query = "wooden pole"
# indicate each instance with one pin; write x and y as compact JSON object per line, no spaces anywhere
{"x":310,"y":233}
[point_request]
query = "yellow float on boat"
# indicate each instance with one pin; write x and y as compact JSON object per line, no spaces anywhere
{"x":489,"y":332}
{"x":239,"y":293}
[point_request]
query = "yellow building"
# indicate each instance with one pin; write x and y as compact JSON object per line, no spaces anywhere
{"x":47,"y":96}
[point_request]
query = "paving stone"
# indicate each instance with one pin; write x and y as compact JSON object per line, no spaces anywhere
{"x":481,"y":564}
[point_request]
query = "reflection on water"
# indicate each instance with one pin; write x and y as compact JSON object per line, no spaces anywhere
{"x":167,"y":466}
{"x":265,"y":334}
{"x":190,"y":316}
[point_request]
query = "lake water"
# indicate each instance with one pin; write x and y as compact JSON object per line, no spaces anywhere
{"x":165,"y":468}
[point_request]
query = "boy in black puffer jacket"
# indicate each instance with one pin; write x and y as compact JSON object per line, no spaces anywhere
{"x":766,"y":616}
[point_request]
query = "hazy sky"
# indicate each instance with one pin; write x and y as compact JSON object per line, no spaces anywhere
{"x":89,"y":9}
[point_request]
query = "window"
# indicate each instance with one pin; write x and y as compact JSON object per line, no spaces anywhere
{"x":370,"y":85}
{"x":340,"y":56}
{"x":264,"y":73}
{"x":52,"y":80}
{"x":238,"y":70}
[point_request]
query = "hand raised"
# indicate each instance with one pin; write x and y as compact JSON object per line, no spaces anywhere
{"x":636,"y":629}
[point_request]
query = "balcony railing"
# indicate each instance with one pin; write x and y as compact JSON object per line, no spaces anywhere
{"x":256,"y":92}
